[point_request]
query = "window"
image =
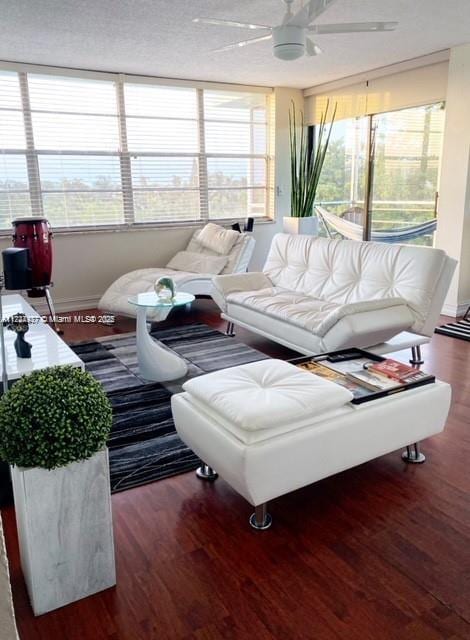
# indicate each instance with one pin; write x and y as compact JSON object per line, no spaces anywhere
{"x":14,"y":184}
{"x":343,"y":178}
{"x":76,"y":139}
{"x":405,"y":149}
{"x":235,"y":126}
{"x":406,"y":170}
{"x":163,"y":142}
{"x":92,"y":152}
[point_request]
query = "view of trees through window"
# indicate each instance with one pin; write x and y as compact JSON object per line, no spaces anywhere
{"x":406,"y":148}
{"x":86,"y":151}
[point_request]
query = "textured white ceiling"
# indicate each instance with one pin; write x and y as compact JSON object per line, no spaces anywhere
{"x":157,"y":37}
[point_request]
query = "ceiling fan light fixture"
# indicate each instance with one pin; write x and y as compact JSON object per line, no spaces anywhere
{"x":288,"y":42}
{"x":289,"y":51}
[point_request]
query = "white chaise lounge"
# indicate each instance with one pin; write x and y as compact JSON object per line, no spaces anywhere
{"x":316,"y":295}
{"x":211,"y":250}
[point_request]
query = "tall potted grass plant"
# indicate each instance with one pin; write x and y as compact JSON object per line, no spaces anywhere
{"x":306,"y":163}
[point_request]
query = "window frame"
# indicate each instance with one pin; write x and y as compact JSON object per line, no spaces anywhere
{"x":125,"y":187}
{"x":371,"y":127}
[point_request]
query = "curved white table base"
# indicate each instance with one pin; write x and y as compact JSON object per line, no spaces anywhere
{"x":155,"y":361}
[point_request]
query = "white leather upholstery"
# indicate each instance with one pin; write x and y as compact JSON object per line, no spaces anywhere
{"x":344,"y":271}
{"x":216,"y":238}
{"x":239,"y":256}
{"x":276,"y":456}
{"x":114,"y":300}
{"x":318,"y":294}
{"x":313,"y":314}
{"x":266,"y":394}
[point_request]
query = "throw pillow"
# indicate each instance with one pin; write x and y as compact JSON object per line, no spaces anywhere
{"x":218,"y":239}
{"x":197,"y":262}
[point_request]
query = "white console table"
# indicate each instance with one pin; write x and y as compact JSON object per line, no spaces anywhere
{"x":48,"y":348}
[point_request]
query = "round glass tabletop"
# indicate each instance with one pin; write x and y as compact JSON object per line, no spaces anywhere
{"x":150,"y":299}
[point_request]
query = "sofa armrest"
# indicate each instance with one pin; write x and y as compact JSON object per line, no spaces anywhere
{"x":364,"y":306}
{"x":231,"y":283}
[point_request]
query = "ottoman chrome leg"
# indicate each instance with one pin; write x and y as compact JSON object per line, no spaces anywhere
{"x":230,"y":330}
{"x":206,"y":473}
{"x":261,"y":519}
{"x":416,"y":357}
{"x":413,"y":455}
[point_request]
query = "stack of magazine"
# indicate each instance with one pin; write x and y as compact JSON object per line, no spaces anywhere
{"x":366,"y":375}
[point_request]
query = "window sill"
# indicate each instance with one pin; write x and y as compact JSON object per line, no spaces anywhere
{"x":145,"y":227}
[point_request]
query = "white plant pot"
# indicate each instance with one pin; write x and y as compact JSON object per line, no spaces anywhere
{"x":65,"y":531}
{"x":303,"y":226}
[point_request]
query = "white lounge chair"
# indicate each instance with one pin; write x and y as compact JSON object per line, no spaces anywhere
{"x":191,"y":270}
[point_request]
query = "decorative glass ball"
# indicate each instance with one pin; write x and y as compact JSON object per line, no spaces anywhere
{"x":165,"y":289}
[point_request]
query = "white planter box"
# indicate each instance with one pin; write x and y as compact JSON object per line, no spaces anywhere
{"x":65,"y":531}
{"x":303,"y":226}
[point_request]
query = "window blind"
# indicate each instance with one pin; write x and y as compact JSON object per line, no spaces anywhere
{"x":163,"y":142}
{"x":110,"y":152}
{"x":235,"y":143}
{"x":14,"y":184}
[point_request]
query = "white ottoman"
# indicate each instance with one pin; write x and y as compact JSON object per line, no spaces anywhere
{"x":269,"y":428}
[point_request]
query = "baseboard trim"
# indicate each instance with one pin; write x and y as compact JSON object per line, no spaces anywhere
{"x":454,"y":310}
{"x":63,"y":305}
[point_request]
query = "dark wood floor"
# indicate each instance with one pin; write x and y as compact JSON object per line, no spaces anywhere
{"x":378,"y":552}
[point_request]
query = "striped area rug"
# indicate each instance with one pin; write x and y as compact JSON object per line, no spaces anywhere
{"x":459,"y":329}
{"x":143,"y":445}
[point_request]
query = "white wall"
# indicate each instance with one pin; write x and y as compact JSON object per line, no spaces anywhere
{"x":85,"y":264}
{"x":453,"y":230}
{"x":283,"y":100}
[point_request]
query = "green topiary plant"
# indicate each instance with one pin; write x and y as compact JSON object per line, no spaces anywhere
{"x":53,"y":417}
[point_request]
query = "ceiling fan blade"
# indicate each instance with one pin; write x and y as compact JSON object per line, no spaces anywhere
{"x":243,"y":43}
{"x":309,"y":12}
{"x":353,"y":27}
{"x":230,"y":23}
{"x":311,"y":49}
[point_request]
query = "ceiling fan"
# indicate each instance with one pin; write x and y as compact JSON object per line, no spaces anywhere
{"x":291,"y":39}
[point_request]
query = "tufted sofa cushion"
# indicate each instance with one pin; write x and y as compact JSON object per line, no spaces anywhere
{"x":266,"y":394}
{"x":313,"y":314}
{"x":344,"y":271}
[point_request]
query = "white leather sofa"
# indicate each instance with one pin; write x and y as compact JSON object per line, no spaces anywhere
{"x":316,"y":295}
{"x":115,"y":298}
{"x":268,"y":428}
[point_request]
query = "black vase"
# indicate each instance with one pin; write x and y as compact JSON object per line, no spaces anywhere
{"x":22,"y":348}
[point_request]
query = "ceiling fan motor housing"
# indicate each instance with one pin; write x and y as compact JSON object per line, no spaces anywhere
{"x":288,"y":42}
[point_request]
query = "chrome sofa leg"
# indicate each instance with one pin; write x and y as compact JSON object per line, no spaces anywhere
{"x":206,"y":473}
{"x":416,"y":357}
{"x":230,"y":330}
{"x":261,"y":519}
{"x":413,"y":455}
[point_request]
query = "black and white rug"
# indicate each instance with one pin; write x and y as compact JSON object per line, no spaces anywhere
{"x":144,"y":445}
{"x":459,"y":329}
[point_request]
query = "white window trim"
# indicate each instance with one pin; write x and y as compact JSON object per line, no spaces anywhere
{"x":127,"y":190}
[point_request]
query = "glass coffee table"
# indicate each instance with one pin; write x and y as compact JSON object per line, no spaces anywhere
{"x":156,"y":362}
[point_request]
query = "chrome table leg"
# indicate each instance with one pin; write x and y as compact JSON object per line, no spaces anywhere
{"x":413,"y":455}
{"x":261,"y":519}
{"x":416,"y":357}
{"x":206,"y":473}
